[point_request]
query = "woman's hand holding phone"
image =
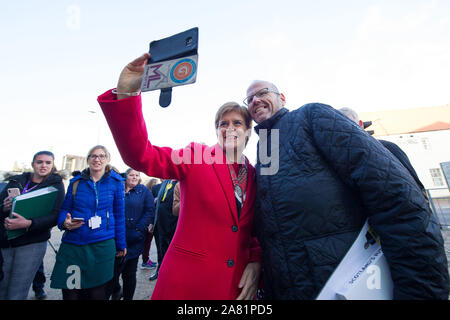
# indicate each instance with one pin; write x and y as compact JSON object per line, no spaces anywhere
{"x":71,"y":224}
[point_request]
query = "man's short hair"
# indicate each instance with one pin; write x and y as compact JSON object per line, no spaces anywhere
{"x":269,"y":84}
{"x":350,"y":113}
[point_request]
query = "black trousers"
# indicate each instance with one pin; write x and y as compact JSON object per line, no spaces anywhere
{"x":39,"y":279}
{"x":96,"y":293}
{"x":128,"y":269}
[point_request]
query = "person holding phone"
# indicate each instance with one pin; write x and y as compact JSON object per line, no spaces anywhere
{"x":212,"y":254}
{"x":85,"y":260}
{"x":23,"y":255}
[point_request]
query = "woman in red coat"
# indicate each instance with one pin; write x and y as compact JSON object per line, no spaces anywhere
{"x":212,"y":254}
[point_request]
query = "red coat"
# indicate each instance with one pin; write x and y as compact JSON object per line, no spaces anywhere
{"x":211,"y":246}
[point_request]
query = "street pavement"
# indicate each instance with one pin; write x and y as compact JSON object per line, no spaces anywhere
{"x":144,"y":287}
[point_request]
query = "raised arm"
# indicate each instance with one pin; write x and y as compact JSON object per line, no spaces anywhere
{"x":131,"y":77}
{"x":125,"y":119}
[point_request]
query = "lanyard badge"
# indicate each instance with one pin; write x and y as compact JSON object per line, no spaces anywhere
{"x":95,"y":222}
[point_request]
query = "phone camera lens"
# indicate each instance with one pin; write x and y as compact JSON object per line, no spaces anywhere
{"x":189,"y":41}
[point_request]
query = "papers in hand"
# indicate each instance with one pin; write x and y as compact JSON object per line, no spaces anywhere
{"x":363,"y":273}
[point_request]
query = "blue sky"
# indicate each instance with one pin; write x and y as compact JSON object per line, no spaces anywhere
{"x":56,"y":57}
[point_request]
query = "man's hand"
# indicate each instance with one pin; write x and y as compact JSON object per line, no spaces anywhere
{"x":18,"y":222}
{"x":131,"y":77}
{"x":249,"y":281}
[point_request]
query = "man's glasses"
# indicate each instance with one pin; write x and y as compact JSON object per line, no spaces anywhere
{"x":259,"y":94}
{"x":101,"y":157}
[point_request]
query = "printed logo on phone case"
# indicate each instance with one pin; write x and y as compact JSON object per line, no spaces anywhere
{"x":170,"y":73}
{"x":183,"y":70}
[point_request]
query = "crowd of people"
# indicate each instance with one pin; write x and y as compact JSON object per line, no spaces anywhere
{"x":107,"y":218}
{"x":225,"y":229}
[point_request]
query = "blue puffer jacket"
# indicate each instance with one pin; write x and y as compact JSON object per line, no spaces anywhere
{"x":139,"y":213}
{"x":104,"y":199}
{"x":332,"y":176}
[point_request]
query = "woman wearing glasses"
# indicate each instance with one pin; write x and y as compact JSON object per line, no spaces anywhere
{"x":93,"y":217}
{"x":212,"y":254}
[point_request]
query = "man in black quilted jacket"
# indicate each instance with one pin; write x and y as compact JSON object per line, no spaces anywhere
{"x":319,"y":177}
{"x":392,"y":147}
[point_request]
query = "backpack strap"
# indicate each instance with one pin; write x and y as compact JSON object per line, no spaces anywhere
{"x":74,"y":188}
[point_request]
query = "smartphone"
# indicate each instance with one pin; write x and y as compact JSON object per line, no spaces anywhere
{"x":13,"y":192}
{"x":173,"y":62}
{"x":182,"y":44}
{"x":77,"y":219}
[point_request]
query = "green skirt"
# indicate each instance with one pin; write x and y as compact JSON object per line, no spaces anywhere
{"x":83,"y":267}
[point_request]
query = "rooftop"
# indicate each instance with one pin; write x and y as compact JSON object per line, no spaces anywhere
{"x":390,"y":122}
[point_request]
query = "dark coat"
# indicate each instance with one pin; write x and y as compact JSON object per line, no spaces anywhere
{"x":166,"y":222}
{"x":332,"y":176}
{"x":139,"y":213}
{"x":403,"y":158}
{"x":40,"y":228}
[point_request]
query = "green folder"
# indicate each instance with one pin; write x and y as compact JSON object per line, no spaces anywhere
{"x":31,"y":205}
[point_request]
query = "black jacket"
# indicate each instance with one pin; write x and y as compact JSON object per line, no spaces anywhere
{"x":39,"y":230}
{"x":166,"y":222}
{"x":331,"y":177}
{"x":403,"y":158}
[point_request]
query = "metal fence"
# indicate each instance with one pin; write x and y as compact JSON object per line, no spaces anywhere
{"x":440,"y":204}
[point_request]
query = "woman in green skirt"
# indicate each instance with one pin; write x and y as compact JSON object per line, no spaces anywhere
{"x":93,"y":217}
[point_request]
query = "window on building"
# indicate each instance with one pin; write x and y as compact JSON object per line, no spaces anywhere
{"x":68,"y":164}
{"x":436,"y":175}
{"x":426,"y":143}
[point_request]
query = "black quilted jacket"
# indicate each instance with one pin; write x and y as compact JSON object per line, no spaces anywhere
{"x":331,"y":176}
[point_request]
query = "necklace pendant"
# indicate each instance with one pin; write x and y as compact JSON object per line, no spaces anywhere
{"x":238,"y":191}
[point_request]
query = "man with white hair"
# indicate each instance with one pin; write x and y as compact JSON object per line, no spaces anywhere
{"x":330,"y":178}
{"x":392,"y":147}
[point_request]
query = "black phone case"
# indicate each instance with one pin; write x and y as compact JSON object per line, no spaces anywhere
{"x":177,"y":46}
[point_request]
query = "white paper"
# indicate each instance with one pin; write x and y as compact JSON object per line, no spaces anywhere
{"x":363,"y":273}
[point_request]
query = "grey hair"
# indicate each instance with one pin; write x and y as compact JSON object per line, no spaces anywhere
{"x":129,"y":170}
{"x":350,"y":113}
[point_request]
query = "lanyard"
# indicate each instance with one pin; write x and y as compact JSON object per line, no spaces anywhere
{"x":164,"y":186}
{"x":169,"y":186}
{"x":25,"y":190}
